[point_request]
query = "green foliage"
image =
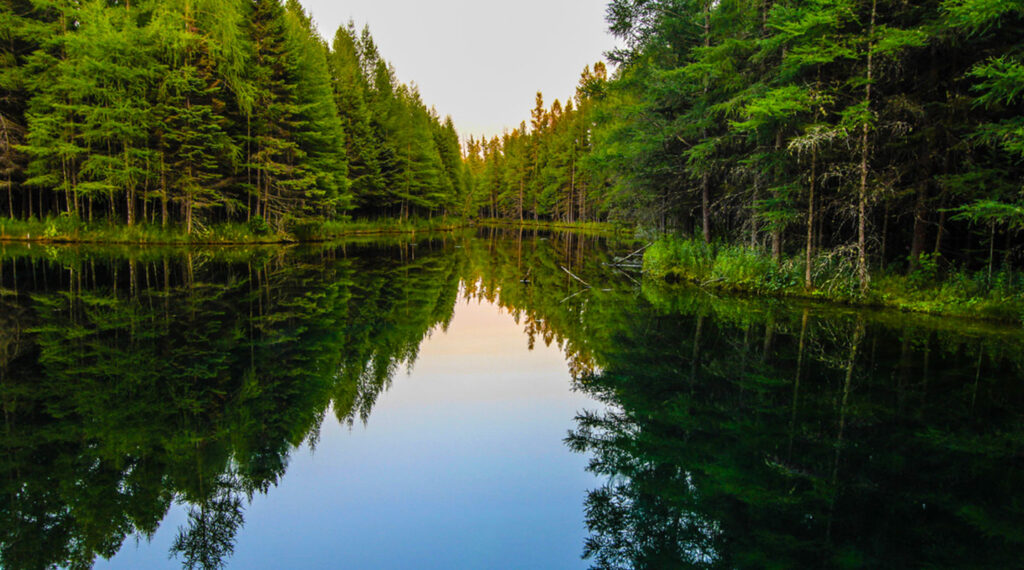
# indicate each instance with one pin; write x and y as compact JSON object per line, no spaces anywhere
{"x":209,"y":112}
{"x":809,"y":128}
{"x":927,"y":272}
{"x":740,"y":268}
{"x":258,"y":226}
{"x":537,"y":172}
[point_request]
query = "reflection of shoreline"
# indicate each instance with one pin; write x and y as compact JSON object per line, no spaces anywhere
{"x":37,"y":235}
{"x":161,"y":378}
{"x":746,"y":436}
{"x":127,"y":382}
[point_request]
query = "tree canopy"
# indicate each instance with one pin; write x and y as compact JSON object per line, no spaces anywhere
{"x":195,"y":112}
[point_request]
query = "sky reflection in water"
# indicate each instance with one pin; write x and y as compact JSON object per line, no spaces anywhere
{"x":707,"y":430}
{"x":460,"y":465}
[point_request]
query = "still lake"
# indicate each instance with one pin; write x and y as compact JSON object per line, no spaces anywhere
{"x":488,"y":399}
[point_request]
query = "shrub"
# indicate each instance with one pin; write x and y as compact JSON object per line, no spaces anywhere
{"x":258,"y":226}
{"x":927,"y":272}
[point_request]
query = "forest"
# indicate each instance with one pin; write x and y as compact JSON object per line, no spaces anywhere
{"x":198,"y":112}
{"x":840,"y":140}
{"x":837,"y":135}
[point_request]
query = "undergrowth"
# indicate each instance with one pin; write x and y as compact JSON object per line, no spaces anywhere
{"x":72,"y":229}
{"x":929,"y":289}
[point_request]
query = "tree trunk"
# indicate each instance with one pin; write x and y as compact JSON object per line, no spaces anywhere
{"x":248,"y":168}
{"x":862,"y":198}
{"x":570,"y":215}
{"x":130,"y":198}
{"x":705,"y":209}
{"x":991,"y":251}
{"x":885,"y":235}
{"x":753,"y":212}
{"x":939,"y":234}
{"x":920,"y":228}
{"x":522,"y":183}
{"x":705,"y":198}
{"x":810,"y":220}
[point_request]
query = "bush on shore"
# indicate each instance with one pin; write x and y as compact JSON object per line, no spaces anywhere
{"x":929,"y":289}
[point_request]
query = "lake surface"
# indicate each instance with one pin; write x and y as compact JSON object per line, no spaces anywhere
{"x":493,"y":399}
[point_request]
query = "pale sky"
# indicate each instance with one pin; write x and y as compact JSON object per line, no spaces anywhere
{"x":480,"y":61}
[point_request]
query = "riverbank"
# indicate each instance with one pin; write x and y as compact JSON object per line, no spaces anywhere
{"x":591,"y":227}
{"x":929,"y":290}
{"x":71,"y":230}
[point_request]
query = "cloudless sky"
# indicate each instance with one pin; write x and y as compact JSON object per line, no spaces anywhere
{"x":479,"y":61}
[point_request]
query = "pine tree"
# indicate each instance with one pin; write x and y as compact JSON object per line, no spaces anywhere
{"x":281,"y":181}
{"x":318,"y":131}
{"x":194,"y":145}
{"x":350,"y":92}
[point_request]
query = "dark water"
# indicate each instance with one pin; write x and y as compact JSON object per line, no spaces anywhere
{"x":465,"y":402}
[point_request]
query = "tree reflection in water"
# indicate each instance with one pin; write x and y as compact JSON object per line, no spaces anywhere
{"x":737,"y":432}
{"x":745,"y":434}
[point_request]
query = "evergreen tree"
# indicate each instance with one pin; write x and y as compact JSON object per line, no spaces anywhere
{"x":350,"y":92}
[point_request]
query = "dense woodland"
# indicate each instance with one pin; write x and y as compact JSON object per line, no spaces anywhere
{"x":878,"y":130}
{"x":873,"y":132}
{"x":539,"y":171}
{"x":203,"y":111}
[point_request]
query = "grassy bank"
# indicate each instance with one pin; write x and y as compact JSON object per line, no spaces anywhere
{"x":71,"y":230}
{"x":929,"y":290}
{"x":595,"y":227}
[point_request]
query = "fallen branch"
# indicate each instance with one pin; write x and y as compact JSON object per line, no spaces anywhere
{"x":628,"y":276}
{"x":619,"y":260}
{"x":571,"y":296}
{"x":573,"y":275}
{"x":637,"y":266}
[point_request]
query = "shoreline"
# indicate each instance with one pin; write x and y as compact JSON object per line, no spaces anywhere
{"x":88,"y":237}
{"x":596,"y":227}
{"x":676,"y":280}
{"x":752,"y":274}
{"x":171,"y":237}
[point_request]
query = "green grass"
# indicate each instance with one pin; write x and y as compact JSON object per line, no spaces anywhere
{"x":365,"y":226}
{"x":738,"y":268}
{"x":596,"y":227}
{"x":65,"y":229}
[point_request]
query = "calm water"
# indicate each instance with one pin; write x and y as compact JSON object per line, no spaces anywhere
{"x":465,"y":402}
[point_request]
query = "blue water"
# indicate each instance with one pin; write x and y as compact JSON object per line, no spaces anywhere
{"x":460,"y":465}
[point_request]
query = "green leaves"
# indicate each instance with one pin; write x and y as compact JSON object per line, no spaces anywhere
{"x":1000,"y":81}
{"x":223,"y":109}
{"x":979,"y":16}
{"x":774,"y":107}
{"x":891,"y":41}
{"x":991,"y":211}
